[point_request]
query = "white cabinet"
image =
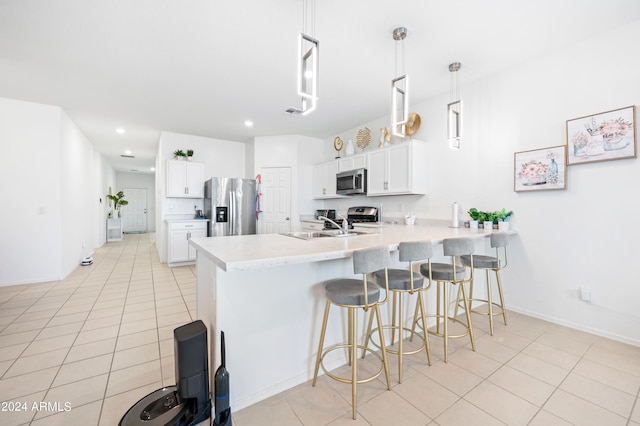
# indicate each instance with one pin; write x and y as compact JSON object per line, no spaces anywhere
{"x":180,"y":233}
{"x":185,"y":179}
{"x":324,"y":180}
{"x":352,"y":163}
{"x":398,"y":169}
{"x":114,"y":229}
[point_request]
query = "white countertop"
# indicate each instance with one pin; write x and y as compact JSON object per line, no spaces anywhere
{"x":245,"y":252}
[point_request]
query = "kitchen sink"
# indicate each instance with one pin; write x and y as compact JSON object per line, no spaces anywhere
{"x":308,"y":235}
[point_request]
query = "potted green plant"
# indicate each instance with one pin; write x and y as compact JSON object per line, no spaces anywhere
{"x":179,"y":154}
{"x":474,"y":214}
{"x":189,"y":154}
{"x":118,"y":201}
{"x":489,"y":218}
{"x":503,"y":218}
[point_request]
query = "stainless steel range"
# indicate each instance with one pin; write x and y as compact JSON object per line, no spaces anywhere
{"x":360,"y":214}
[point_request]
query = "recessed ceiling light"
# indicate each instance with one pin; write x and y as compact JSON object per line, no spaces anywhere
{"x":120,"y":130}
{"x":128,"y":152}
{"x":248,"y":123}
{"x":153,"y":169}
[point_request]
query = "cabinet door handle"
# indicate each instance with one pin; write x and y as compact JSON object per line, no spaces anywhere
{"x":188,"y":235}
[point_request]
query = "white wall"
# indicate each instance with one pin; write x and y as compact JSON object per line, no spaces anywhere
{"x":297,"y":152}
{"x":140,"y":181}
{"x":221,"y":158}
{"x":566,"y":239}
{"x":30,"y":176}
{"x":51,"y":175}
{"x":77,"y":196}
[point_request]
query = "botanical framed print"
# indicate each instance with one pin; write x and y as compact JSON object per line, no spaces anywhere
{"x":540,"y":169}
{"x":605,"y":136}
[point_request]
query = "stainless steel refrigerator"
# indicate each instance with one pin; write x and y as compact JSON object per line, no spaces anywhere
{"x":230,"y":206}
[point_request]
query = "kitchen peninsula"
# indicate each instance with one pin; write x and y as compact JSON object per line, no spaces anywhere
{"x":266,"y":293}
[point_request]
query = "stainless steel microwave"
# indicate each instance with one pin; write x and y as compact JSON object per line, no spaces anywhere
{"x":351,"y":182}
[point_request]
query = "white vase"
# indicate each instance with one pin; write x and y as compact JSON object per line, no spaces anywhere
{"x":503,"y":226}
{"x":488,"y":225}
{"x":473,"y":224}
{"x":350,"y":149}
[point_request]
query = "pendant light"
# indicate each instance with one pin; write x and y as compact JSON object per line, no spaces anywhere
{"x":308,"y":62}
{"x":399,"y":88}
{"x":454,"y":108}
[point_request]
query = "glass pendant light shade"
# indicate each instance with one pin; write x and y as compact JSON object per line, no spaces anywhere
{"x":454,"y":108}
{"x":399,"y":90}
{"x":399,"y":105}
{"x":308,"y":59}
{"x":308,"y":66}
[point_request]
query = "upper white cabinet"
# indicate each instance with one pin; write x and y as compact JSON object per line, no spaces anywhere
{"x":324,"y":180}
{"x":398,"y":169}
{"x":185,"y":179}
{"x":352,"y":163}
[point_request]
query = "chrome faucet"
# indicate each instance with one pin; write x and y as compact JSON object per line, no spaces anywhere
{"x":345,"y":224}
{"x":344,"y":229}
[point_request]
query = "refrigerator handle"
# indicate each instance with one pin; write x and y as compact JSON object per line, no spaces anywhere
{"x":232,"y":212}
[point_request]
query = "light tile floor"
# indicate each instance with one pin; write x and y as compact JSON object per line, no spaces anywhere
{"x":93,"y":344}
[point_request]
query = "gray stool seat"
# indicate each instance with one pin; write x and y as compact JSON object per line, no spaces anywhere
{"x":355,"y":295}
{"x":490,"y":263}
{"x":400,"y":280}
{"x":401,"y":283}
{"x":480,"y":261}
{"x":442,"y":271}
{"x":349,"y":292}
{"x":452,"y":274}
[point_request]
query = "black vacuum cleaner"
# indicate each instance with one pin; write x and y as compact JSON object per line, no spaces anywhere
{"x":188,"y":403}
{"x":221,"y":390}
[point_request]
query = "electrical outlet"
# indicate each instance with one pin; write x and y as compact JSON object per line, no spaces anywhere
{"x":585,"y":294}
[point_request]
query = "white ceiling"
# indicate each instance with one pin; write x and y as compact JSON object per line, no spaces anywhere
{"x":202,"y":67}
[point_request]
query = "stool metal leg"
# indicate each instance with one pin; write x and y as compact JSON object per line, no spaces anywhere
{"x":489,"y":302}
{"x":504,"y":311}
{"x":423,"y":316}
{"x":467,"y":310}
{"x":383,"y":347}
{"x":353,"y":359}
{"x":400,"y":332}
{"x":322,"y":334}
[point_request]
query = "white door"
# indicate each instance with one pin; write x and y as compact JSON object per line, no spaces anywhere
{"x":134,"y":214}
{"x":275,"y":201}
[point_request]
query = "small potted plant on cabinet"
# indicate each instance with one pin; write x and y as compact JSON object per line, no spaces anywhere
{"x":189,"y":154}
{"x":118,"y":201}
{"x":488,"y":220}
{"x":474,"y":214}
{"x":503,"y":218}
{"x":179,"y":154}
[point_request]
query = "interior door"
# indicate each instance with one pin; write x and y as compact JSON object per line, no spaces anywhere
{"x":134,"y":214}
{"x":275,"y":201}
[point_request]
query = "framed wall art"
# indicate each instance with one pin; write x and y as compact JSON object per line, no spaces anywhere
{"x":540,"y":169}
{"x":604,"y":136}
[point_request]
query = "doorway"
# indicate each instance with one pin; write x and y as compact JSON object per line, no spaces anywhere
{"x":275,"y":200}
{"x":134,"y":215}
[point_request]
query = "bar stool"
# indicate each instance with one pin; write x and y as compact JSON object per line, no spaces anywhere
{"x":490,"y":263}
{"x":402,"y":281}
{"x":454,"y":274}
{"x":354,"y":294}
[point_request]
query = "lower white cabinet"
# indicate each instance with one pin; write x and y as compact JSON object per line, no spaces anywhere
{"x":180,"y":233}
{"x":114,"y":229}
